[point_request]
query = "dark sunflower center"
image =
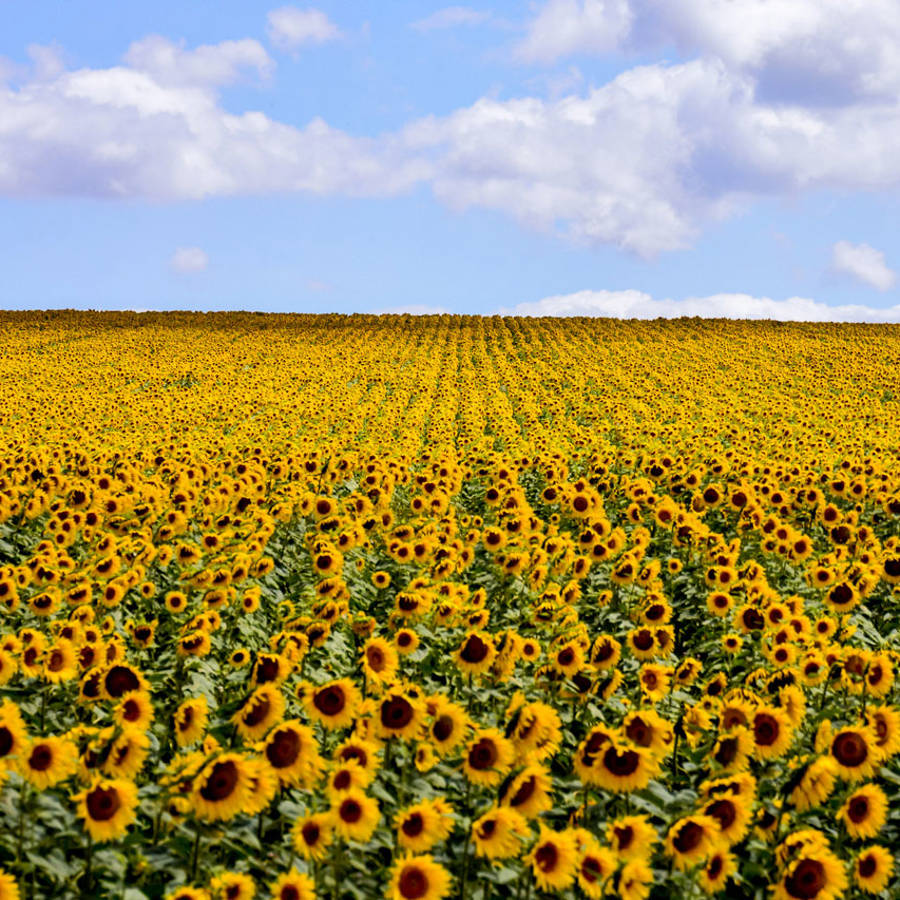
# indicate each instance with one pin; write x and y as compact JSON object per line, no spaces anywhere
{"x":867,"y":866}
{"x":442,"y":728}
{"x":688,"y":838}
{"x":858,"y":810}
{"x":412,"y":883}
{"x":258,"y":712}
{"x":283,"y":749}
{"x":547,"y":857}
{"x":103,"y":804}
{"x":397,"y":713}
{"x":624,"y":837}
{"x":474,"y":651}
{"x":350,"y":812}
{"x":807,"y":879}
{"x":639,"y":732}
{"x":525,"y":792}
{"x":221,"y":783}
{"x":849,"y":749}
{"x":621,"y":764}
{"x":413,"y":825}
{"x":643,"y":640}
{"x":765,"y":730}
{"x":311,"y":832}
{"x":41,"y":758}
{"x":120,"y":680}
{"x":483,"y":755}
{"x":724,"y":810}
{"x":6,"y":741}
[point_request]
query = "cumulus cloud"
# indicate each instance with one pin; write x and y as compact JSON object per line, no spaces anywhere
{"x":189,"y":259}
{"x":290,"y":27}
{"x":217,"y":64}
{"x":451,"y":17}
{"x":643,"y":162}
{"x":809,"y":51}
{"x":631,"y":304}
{"x":864,"y":263}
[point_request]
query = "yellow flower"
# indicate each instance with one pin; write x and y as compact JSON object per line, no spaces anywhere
{"x":418,"y":878}
{"x":554,"y":859}
{"x":108,"y":807}
{"x":355,"y":816}
{"x":864,"y":812}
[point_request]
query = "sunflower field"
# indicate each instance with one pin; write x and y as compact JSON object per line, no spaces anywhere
{"x":357,"y":607}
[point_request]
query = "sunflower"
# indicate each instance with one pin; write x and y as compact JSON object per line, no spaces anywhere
{"x":399,"y":715}
{"x":529,"y":792}
{"x":418,"y":878}
{"x":732,"y":751}
{"x":423,"y":825}
{"x":719,"y":867}
{"x":312,"y":836}
{"x":815,"y":873}
{"x":733,"y":814}
{"x":855,"y":752}
{"x":864,"y":812}
{"x":134,"y":710}
{"x":631,"y":837}
{"x":355,"y":816}
{"x":219,"y":790}
{"x":233,"y":886}
{"x":121,"y":678}
{"x":9,"y":889}
{"x":406,"y":641}
{"x":488,"y":757}
{"x":187,"y":893}
{"x":60,"y":662}
{"x":190,"y":720}
{"x":448,"y":726}
{"x":885,"y":722}
{"x":127,"y":753}
{"x":379,"y":660}
{"x":634,"y":881}
{"x":348,"y":776}
{"x":13,"y":731}
{"x":595,"y":867}
{"x":772,"y":732}
{"x":262,"y":709}
{"x":292,"y":752}
{"x":691,"y":839}
{"x":873,"y":869}
{"x":535,"y":729}
{"x":293,"y":885}
{"x":48,"y":761}
{"x":647,"y":728}
{"x":554,"y":859}
{"x":815,"y":785}
{"x":364,"y":753}
{"x":262,"y":785}
{"x":622,"y":768}
{"x":107,"y":807}
{"x":475,"y":654}
{"x":498,"y":834}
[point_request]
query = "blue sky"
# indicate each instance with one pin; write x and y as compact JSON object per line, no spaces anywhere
{"x":611,"y":157}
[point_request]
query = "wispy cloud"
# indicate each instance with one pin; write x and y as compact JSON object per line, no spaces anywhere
{"x":864,"y":263}
{"x":451,"y":17}
{"x":290,"y":27}
{"x":186,"y":260}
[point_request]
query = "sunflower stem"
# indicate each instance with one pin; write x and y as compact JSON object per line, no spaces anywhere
{"x":196,"y":854}
{"x":43,"y":707}
{"x":20,"y":831}
{"x":89,"y":866}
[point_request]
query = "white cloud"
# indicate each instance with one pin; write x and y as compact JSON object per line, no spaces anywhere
{"x":642,"y":163}
{"x":290,"y":27}
{"x":564,"y":27}
{"x":217,"y":64}
{"x":451,"y":17}
{"x":631,"y":304}
{"x":816,"y":52}
{"x":864,"y":263}
{"x":189,"y":259}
